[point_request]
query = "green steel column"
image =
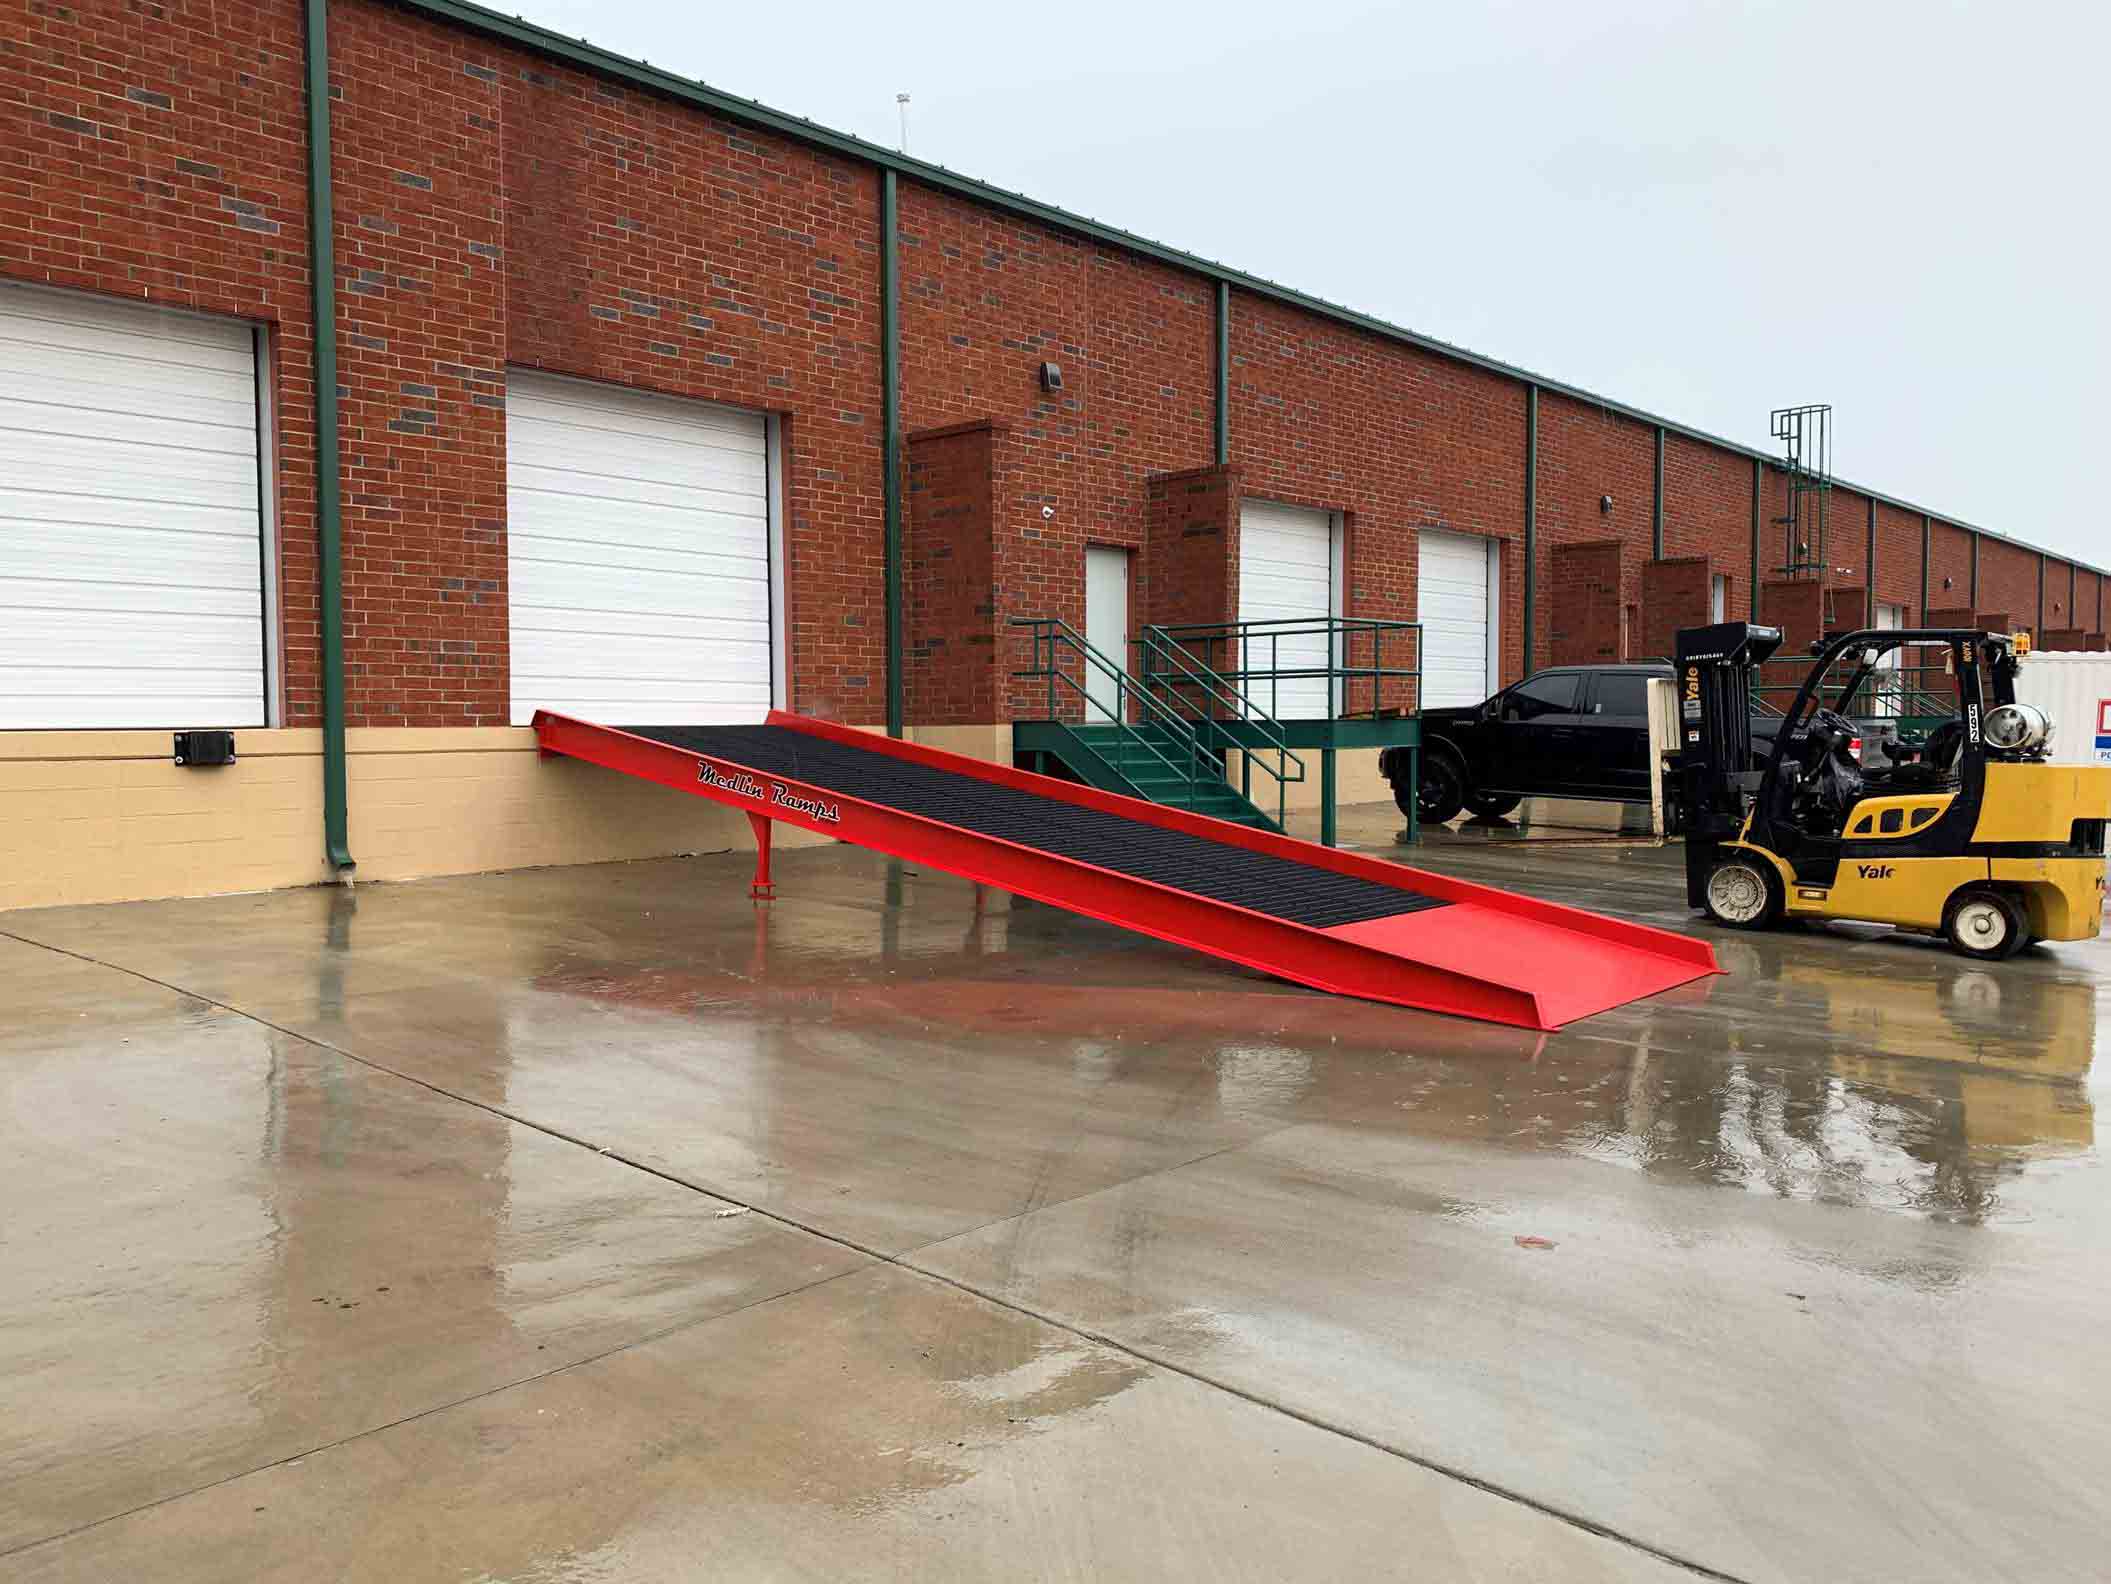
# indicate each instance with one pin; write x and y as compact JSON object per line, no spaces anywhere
{"x":1974,"y":591}
{"x":1656,"y":508}
{"x":1869,"y":571}
{"x":2037,"y":630}
{"x":1927,"y":551}
{"x":1531,"y":519}
{"x":1326,"y":798}
{"x":891,"y":422}
{"x":1758,"y":487}
{"x":329,"y":516}
{"x":1223,"y":401}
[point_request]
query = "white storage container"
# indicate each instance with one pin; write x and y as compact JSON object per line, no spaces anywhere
{"x":2075,"y":690}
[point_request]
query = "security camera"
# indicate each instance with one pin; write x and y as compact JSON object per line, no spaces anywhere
{"x":1048,"y":514}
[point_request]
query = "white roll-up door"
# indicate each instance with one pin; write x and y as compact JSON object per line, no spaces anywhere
{"x":131,"y":528}
{"x":1456,"y":601}
{"x":1287,"y":572}
{"x":638,"y":555}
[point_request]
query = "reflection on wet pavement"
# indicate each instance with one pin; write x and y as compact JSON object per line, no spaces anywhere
{"x":1734,"y":1273}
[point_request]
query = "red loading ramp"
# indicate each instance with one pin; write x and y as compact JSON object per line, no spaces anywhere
{"x":1332,"y":920}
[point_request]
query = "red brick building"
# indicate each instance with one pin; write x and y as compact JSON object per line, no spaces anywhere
{"x":575,"y":294}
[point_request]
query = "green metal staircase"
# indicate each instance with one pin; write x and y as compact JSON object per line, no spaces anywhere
{"x":1178,"y":722}
{"x":1143,"y":761}
{"x":1104,"y":728}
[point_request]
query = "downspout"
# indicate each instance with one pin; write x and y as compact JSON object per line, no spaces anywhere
{"x":1927,"y":551}
{"x":1223,"y":400}
{"x":1752,"y":597}
{"x":891,"y":422}
{"x":1975,"y":579}
{"x":1531,"y":519}
{"x":2038,"y":627}
{"x":329,"y":517}
{"x":1869,"y":600}
{"x":1656,"y":509}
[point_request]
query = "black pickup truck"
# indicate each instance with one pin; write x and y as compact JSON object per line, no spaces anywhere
{"x":1574,"y":731}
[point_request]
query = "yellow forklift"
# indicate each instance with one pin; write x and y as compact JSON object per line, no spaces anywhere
{"x":1974,"y":836}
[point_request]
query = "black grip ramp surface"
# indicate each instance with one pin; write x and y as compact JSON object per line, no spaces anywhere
{"x":1259,"y":882}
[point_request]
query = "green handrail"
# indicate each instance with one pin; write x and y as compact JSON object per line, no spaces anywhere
{"x":1175,"y":669}
{"x":1058,"y":636}
{"x":1257,"y":648}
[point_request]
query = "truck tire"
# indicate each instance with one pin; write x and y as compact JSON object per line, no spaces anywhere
{"x":1492,"y":805}
{"x":1440,"y":790}
{"x":1984,"y":923}
{"x":1743,"y":893}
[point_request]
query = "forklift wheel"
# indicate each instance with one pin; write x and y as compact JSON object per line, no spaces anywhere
{"x":1985,"y":923}
{"x":1743,"y":894}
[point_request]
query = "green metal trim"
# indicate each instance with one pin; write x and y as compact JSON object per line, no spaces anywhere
{"x":1758,"y":489}
{"x":750,"y":112}
{"x":2038,"y":628}
{"x":1927,"y":552}
{"x":891,"y":423}
{"x":1223,"y":397}
{"x":1869,"y":599}
{"x":1531,"y":520}
{"x":1656,"y":500}
{"x":1975,"y":576}
{"x":329,"y":494}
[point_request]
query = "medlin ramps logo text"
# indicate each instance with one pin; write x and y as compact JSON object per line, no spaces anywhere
{"x":732,"y":779}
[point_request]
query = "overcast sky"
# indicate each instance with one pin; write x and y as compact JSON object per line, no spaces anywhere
{"x":1706,"y":210}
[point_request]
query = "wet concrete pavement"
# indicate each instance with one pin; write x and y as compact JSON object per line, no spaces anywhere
{"x":593,"y":1224}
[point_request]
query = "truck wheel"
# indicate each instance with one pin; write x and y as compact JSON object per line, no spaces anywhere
{"x":1440,"y":790}
{"x":1984,"y":923}
{"x":1492,"y":805}
{"x":1743,"y":893}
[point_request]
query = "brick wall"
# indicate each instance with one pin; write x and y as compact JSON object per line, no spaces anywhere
{"x":987,"y":299}
{"x":2008,"y":582}
{"x":496,"y":209}
{"x":654,"y":246}
{"x":1396,"y":439}
{"x":1675,"y":594}
{"x":1898,"y":561}
{"x":1585,"y":454}
{"x":949,"y":578}
{"x":1582,"y":596}
{"x":1708,"y":512}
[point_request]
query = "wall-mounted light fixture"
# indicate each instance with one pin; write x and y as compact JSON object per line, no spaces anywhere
{"x":1605,"y":505}
{"x":1051,"y":377}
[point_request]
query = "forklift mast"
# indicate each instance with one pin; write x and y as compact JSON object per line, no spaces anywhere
{"x":1715,"y":670}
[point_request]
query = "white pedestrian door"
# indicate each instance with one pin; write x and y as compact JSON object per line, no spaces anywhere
{"x":1888,"y":685}
{"x":638,"y":553}
{"x":1287,"y":580}
{"x":1106,"y":626}
{"x":1455,"y":601}
{"x":131,"y":538}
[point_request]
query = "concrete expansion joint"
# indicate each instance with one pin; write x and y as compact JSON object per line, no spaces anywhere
{"x":904,"y":1261}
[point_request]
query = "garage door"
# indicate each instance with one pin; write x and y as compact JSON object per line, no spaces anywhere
{"x":638,"y":553}
{"x":1455,"y":596}
{"x":1286,"y":570}
{"x":131,"y":538}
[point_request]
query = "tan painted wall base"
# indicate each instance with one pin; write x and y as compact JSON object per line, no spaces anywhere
{"x":106,"y":817}
{"x":1356,"y":780}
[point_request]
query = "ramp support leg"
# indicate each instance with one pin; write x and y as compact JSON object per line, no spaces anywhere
{"x":763,"y":890}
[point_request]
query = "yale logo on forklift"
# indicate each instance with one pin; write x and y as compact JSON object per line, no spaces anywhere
{"x":1875,"y":871}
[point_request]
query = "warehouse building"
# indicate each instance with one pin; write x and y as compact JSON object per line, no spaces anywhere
{"x":620,"y":364}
